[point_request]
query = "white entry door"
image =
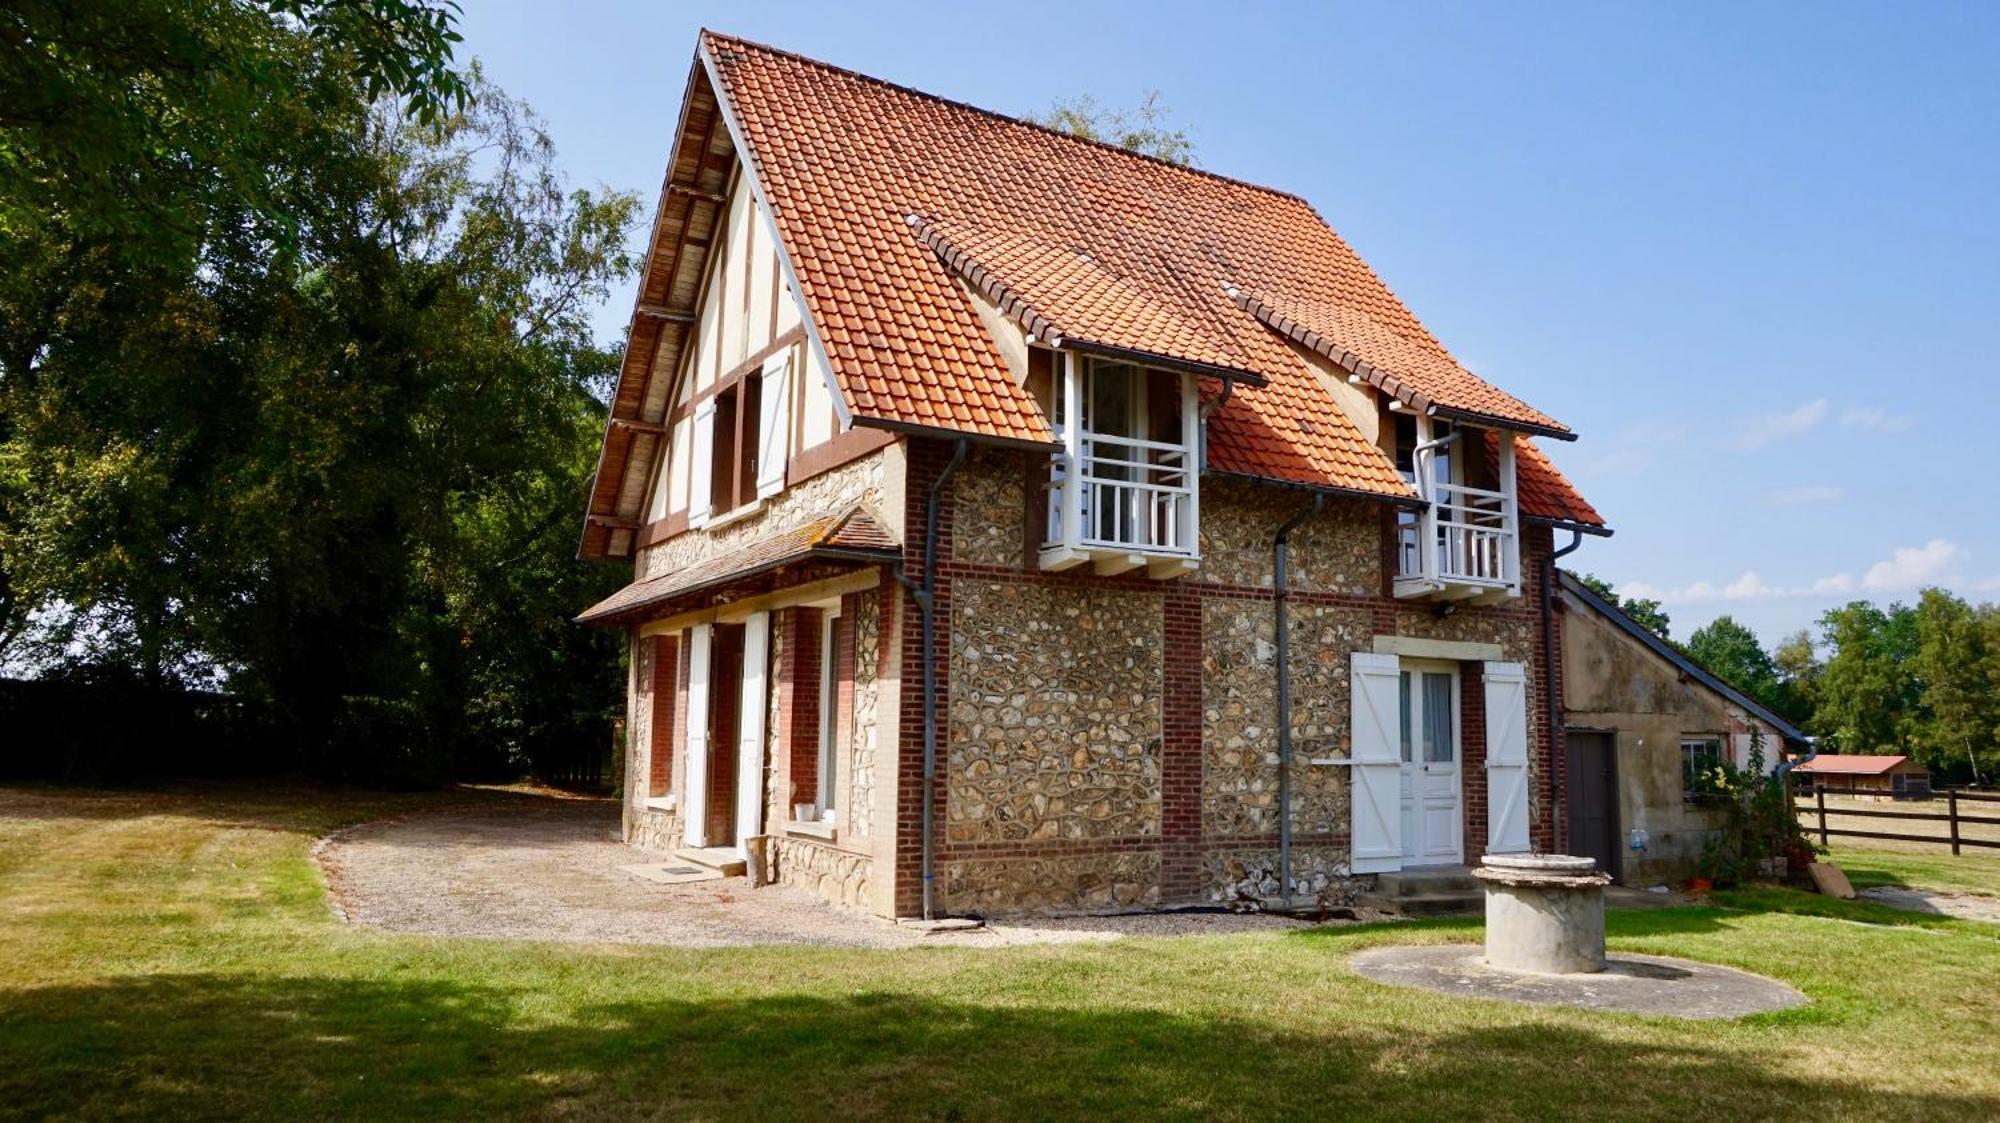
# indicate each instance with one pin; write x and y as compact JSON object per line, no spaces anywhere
{"x":1433,"y":824}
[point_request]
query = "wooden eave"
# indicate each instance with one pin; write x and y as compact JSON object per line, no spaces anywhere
{"x":690,"y":216}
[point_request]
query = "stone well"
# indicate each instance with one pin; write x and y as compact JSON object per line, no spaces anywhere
{"x":1544,"y":913}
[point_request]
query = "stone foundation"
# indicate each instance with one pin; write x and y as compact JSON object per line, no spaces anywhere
{"x":1233,"y":875}
{"x":1083,"y":883}
{"x":839,"y":876}
{"x":652,"y":829}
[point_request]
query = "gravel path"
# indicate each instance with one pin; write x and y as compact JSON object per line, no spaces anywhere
{"x":1964,"y":906}
{"x":548,"y":870}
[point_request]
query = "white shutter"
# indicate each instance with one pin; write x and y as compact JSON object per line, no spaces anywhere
{"x":694,"y":802}
{"x":1506,"y":759}
{"x":750,"y":749}
{"x":701,"y":464}
{"x":1376,"y":798}
{"x":773,"y":432}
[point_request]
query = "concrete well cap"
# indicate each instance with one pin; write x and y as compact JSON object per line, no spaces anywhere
{"x":1542,"y":863}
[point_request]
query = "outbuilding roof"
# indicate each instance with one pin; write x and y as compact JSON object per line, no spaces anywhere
{"x":1852,"y":764}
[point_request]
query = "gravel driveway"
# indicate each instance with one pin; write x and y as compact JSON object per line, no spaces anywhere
{"x":547,"y":869}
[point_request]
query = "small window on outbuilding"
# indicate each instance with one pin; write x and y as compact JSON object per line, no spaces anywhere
{"x":1700,"y":757}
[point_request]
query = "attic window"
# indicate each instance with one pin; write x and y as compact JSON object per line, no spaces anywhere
{"x":733,"y":463}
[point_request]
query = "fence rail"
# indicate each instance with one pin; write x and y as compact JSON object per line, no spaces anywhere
{"x":1953,"y":838}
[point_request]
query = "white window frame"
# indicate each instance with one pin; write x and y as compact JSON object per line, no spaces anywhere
{"x":826,"y":805}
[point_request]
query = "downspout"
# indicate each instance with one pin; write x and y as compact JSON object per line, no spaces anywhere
{"x":1281,"y":587}
{"x":923,"y":592}
{"x":1552,"y":682}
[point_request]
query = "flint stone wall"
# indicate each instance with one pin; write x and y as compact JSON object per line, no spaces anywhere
{"x":861,"y":481}
{"x":1055,"y":716}
{"x":1082,"y":883}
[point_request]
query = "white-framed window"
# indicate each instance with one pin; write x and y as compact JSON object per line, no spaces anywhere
{"x":1124,"y":485}
{"x":1700,"y":756}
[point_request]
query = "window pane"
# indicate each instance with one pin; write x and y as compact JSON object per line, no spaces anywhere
{"x":1437,"y":718}
{"x":1403,"y":711}
{"x":829,"y":708}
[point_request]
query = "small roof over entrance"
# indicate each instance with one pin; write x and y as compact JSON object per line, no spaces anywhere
{"x":850,"y":537}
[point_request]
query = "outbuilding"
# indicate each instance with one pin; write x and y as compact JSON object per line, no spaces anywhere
{"x":1642,"y":722}
{"x":1866,"y":776}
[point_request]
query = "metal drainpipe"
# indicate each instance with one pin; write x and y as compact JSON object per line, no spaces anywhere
{"x":1281,"y":587}
{"x":1553,"y":680}
{"x":923,"y":593}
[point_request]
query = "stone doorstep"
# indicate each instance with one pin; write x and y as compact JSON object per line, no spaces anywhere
{"x":1423,"y":881}
{"x":724,"y":861}
{"x":672,"y":873}
{"x":1426,"y":904}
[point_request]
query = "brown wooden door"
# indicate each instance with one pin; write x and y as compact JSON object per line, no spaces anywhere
{"x":725,"y":698}
{"x":1593,"y":798}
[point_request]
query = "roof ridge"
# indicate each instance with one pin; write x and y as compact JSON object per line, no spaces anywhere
{"x":1290,"y":196}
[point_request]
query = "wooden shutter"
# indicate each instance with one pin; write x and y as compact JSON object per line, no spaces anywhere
{"x":1377,"y":794}
{"x":773,"y":430}
{"x":750,"y":722}
{"x":694,"y":802}
{"x":701,"y":465}
{"x":1506,"y":759}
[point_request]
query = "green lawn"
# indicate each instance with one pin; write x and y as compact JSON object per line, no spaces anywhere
{"x":1971,"y":872}
{"x":173,"y":955}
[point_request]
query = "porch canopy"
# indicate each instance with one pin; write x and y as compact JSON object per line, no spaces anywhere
{"x":824,"y":545}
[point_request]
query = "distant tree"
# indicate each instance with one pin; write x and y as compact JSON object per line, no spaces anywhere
{"x":1646,"y":612}
{"x":1733,"y":653}
{"x":1870,"y":698}
{"x":1799,"y":670}
{"x":1956,"y":667}
{"x":1144,"y":129}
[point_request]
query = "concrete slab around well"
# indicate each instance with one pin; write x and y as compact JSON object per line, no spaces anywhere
{"x":1632,"y":984}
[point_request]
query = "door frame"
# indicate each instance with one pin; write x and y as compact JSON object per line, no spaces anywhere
{"x":1614,"y":780}
{"x":1416,"y":668}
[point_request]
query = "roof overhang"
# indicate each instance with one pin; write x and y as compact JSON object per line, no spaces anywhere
{"x":843,"y":541}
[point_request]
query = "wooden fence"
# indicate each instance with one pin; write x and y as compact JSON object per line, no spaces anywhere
{"x":1952,"y":816}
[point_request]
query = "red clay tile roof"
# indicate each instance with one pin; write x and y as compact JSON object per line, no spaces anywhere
{"x":1418,"y":375}
{"x":1855,"y":764}
{"x":851,"y":536}
{"x":1084,"y":240}
{"x":1544,"y":492}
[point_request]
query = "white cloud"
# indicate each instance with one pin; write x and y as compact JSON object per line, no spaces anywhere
{"x":1911,"y":566}
{"x":1875,"y":420}
{"x":1761,"y":431}
{"x":1907,"y":568}
{"x":1797,"y":496}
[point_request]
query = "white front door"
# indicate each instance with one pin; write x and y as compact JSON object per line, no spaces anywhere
{"x":1433,"y":826}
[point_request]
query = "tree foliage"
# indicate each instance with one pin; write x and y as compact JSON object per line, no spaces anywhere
{"x":1145,"y":128}
{"x":318,"y":430}
{"x":1733,"y":653}
{"x":1645,"y":612}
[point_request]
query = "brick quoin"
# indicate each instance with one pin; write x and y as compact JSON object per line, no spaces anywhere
{"x":798,"y":706}
{"x":1181,"y":748}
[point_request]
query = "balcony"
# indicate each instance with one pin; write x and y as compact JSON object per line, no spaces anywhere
{"x":1465,"y":543}
{"x":1119,"y":496}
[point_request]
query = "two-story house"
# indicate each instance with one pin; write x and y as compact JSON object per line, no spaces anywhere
{"x":1022,"y":523}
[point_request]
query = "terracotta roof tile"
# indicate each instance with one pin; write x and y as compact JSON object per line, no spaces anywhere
{"x":850,"y":536}
{"x":1103,"y":245}
{"x":1545,"y":492}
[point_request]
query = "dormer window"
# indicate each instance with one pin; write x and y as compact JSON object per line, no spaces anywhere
{"x":1465,"y":542}
{"x":1122,"y":492}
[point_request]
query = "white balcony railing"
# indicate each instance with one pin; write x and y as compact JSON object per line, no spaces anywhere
{"x":1466,"y":542}
{"x":1137,"y":496}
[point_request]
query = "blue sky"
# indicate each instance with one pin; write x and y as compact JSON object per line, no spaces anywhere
{"x":1749,"y":252}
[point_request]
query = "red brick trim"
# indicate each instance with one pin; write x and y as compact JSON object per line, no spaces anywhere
{"x":665,"y":669}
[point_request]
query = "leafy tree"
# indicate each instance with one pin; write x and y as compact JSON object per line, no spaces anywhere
{"x":1646,"y":612}
{"x":1956,"y":666}
{"x":1869,"y":696}
{"x":328,"y":450}
{"x":1799,"y":671}
{"x":1143,"y":129}
{"x":1733,"y":653}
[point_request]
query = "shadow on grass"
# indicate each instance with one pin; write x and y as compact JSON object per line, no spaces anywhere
{"x":213,"y":1045}
{"x":280,"y":805}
